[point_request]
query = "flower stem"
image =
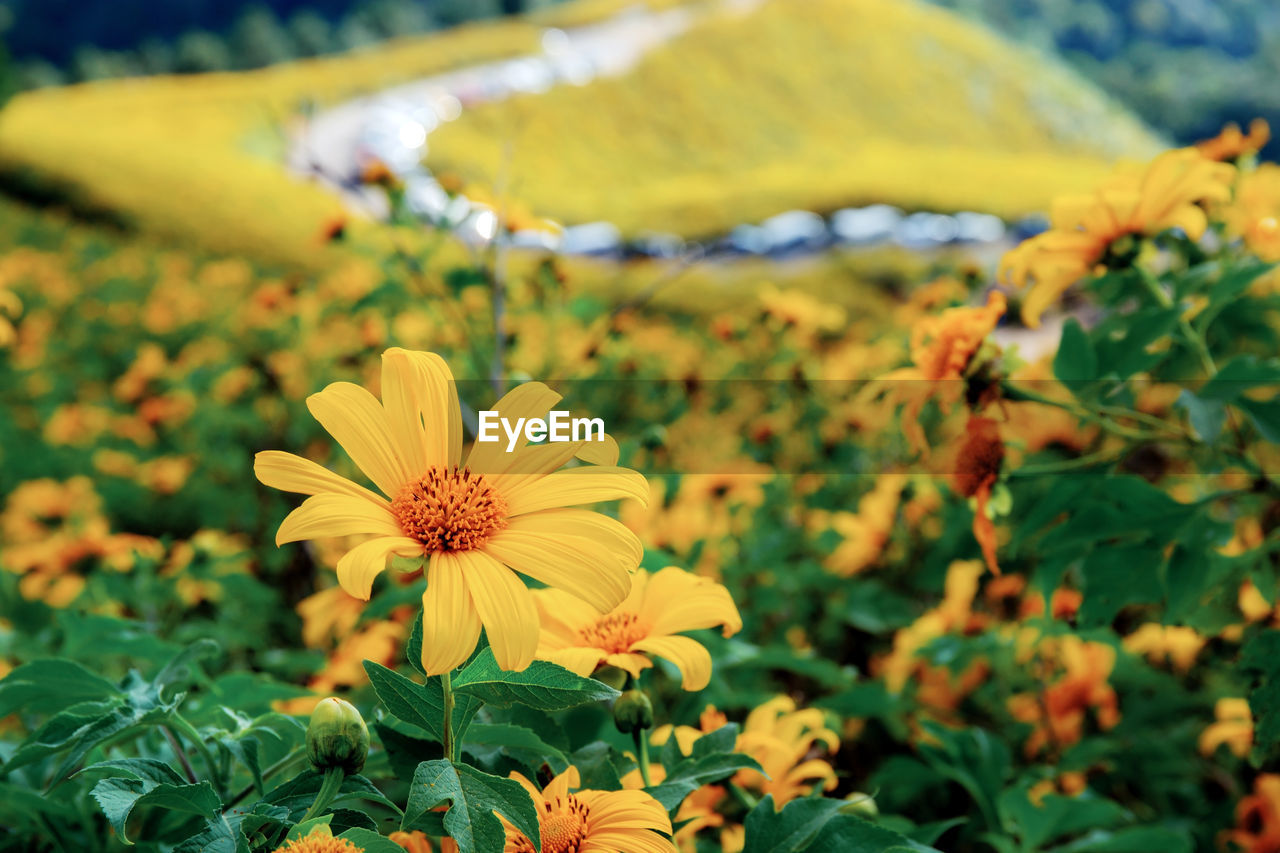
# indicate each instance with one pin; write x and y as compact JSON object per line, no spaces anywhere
{"x":1017,"y":393}
{"x":446,"y":686}
{"x":328,"y":791}
{"x":641,"y":737}
{"x":1194,"y":339}
{"x":192,"y":735}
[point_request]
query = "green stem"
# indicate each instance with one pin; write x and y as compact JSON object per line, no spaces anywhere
{"x":181,"y":753}
{"x":743,"y":796}
{"x":1017,"y":393}
{"x":181,"y":724}
{"x":1194,"y":338}
{"x":641,"y":737}
{"x":1067,"y":464}
{"x":333,"y":777}
{"x":450,"y":748}
{"x":296,"y":757}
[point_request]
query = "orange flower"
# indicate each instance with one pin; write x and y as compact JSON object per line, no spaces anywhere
{"x":1167,"y":195}
{"x":592,"y":821}
{"x":647,"y":622}
{"x":1233,"y":726}
{"x":1231,"y":144}
{"x":1058,"y":712}
{"x":942,"y":351}
{"x":1176,"y":644}
{"x":976,"y":471}
{"x":1258,"y":817}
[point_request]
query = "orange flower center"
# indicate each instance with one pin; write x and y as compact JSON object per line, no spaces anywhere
{"x":564,"y":829}
{"x":449,"y":510}
{"x":614,"y":633}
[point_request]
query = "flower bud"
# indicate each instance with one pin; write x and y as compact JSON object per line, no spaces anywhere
{"x":633,"y":711}
{"x":337,"y":736}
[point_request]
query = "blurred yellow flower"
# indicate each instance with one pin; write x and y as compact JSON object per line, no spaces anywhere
{"x":1176,"y":644}
{"x":1233,"y":726}
{"x":472,"y":522}
{"x":1083,"y":228}
{"x":646,"y":623}
{"x":1231,"y":143}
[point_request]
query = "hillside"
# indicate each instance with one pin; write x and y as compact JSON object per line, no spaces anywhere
{"x":813,"y":105}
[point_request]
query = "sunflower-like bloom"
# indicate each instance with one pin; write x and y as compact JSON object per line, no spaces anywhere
{"x":473,"y":523}
{"x":1176,"y":644}
{"x":976,"y":471}
{"x":1082,"y":228}
{"x":1232,"y":144}
{"x":319,"y":840}
{"x":592,"y":821}
{"x":1233,"y":725}
{"x":942,"y":347}
{"x":660,"y":606}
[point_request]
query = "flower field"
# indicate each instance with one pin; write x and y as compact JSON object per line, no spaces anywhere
{"x":881,"y":550}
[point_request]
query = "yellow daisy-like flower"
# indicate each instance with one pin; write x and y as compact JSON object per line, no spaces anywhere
{"x":592,"y":821}
{"x":782,"y":739}
{"x":319,"y":840}
{"x":474,"y":523}
{"x":1082,"y":228}
{"x":660,"y":606}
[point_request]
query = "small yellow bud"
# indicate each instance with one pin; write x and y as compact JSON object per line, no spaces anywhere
{"x":337,"y":736}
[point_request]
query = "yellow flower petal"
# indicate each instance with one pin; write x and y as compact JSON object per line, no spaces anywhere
{"x":450,"y":623}
{"x":530,"y":400}
{"x":506,"y":609}
{"x":600,"y":452}
{"x":326,"y":515}
{"x":689,"y":656}
{"x":358,"y":423}
{"x":585,"y":523}
{"x":580,"y":567}
{"x":573,"y":487}
{"x":678,"y":601}
{"x":359,"y":566}
{"x":578,"y":660}
{"x":291,"y":473}
{"x":421,"y":405}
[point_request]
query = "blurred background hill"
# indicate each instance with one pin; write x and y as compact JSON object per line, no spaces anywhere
{"x":1184,"y":66}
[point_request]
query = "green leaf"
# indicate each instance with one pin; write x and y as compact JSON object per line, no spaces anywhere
{"x":421,"y":705}
{"x":1260,"y":659}
{"x":711,"y":760}
{"x":43,"y":686}
{"x":221,"y":834}
{"x":1076,"y":361}
{"x":473,"y":799}
{"x":543,"y":685}
{"x":850,"y":834}
{"x":299,"y":793}
{"x":1265,"y":417}
{"x":1055,"y":817}
{"x":118,"y":798}
{"x":370,"y":841}
{"x":1206,"y":416}
{"x":144,"y":769}
{"x":1119,"y":576}
{"x":971,"y":758}
{"x":489,"y":741}
{"x":788,"y":831}
{"x":601,"y":767}
{"x":1239,"y":375}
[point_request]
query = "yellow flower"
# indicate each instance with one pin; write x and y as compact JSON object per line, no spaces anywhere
{"x":319,"y":840}
{"x":592,"y":821}
{"x":782,"y":739}
{"x":1082,"y":228}
{"x":647,"y":622}
{"x":1058,"y":712}
{"x":474,"y":523}
{"x":1176,"y":644}
{"x":1255,"y":213}
{"x":1233,"y":726}
{"x":866,"y":532}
